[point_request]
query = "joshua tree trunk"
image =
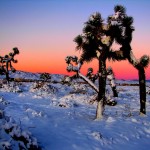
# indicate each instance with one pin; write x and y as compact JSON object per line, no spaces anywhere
{"x":102,"y":87}
{"x":142,"y":91}
{"x":142,"y":85}
{"x":7,"y":72}
{"x":100,"y":110}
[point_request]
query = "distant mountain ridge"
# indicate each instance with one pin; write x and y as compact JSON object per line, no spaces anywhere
{"x":32,"y":76}
{"x":55,"y":77}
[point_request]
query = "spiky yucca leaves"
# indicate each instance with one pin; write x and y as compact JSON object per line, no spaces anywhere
{"x":95,"y":20}
{"x":116,"y":55}
{"x":16,"y":51}
{"x":88,"y":30}
{"x":68,"y":59}
{"x":89,"y":41}
{"x":121,"y":32}
{"x":116,"y":31}
{"x":75,"y":59}
{"x":79,"y":41}
{"x":144,"y":61}
{"x":121,"y":28}
{"x":120,"y":8}
{"x":89,"y":51}
{"x":128,"y":21}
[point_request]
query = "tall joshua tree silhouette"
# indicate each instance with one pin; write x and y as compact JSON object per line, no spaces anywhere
{"x":96,"y":41}
{"x":6,"y":63}
{"x":120,"y":30}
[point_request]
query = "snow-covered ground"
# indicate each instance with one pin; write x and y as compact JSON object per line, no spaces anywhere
{"x":58,"y":116}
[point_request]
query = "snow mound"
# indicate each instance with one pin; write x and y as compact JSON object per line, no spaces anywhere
{"x":61,"y":116}
{"x":11,"y":87}
{"x":24,"y":137}
{"x":42,"y":90}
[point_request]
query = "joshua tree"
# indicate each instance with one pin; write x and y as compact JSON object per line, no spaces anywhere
{"x":110,"y":77}
{"x":6,"y":63}
{"x":90,"y":75}
{"x":45,"y":77}
{"x":96,"y":42}
{"x":120,"y":30}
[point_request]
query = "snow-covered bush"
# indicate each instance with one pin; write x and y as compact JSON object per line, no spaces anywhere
{"x":42,"y":89}
{"x":24,"y":138}
{"x":6,"y":145}
{"x":64,"y":104}
{"x":45,"y":77}
{"x":3,"y":101}
{"x":66,"y":80}
{"x":79,"y":88}
{"x":37,"y":85}
{"x":11,"y":87}
{"x":34,"y":112}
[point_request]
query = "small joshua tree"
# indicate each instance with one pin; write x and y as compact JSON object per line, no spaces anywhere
{"x":96,"y":41}
{"x":6,"y":63}
{"x":91,"y":76}
{"x":110,"y":77}
{"x":45,"y":77}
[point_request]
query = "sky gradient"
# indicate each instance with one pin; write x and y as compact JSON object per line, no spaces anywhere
{"x":44,"y":30}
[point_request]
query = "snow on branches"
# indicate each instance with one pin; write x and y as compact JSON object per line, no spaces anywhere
{"x":71,"y":68}
{"x":24,"y":138}
{"x":90,"y":77}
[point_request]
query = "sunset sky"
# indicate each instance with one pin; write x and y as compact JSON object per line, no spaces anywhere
{"x":44,"y":30}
